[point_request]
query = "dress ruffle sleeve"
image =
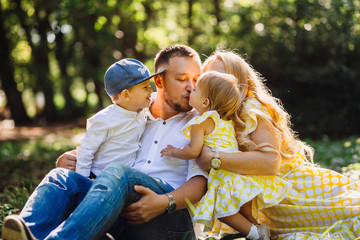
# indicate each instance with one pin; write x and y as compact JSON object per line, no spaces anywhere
{"x":214,"y":115}
{"x":254,"y":108}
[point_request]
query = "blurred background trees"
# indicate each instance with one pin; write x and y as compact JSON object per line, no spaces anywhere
{"x":53,"y":54}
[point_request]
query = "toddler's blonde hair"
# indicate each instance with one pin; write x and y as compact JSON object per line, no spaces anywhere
{"x":251,"y":85}
{"x":224,"y":95}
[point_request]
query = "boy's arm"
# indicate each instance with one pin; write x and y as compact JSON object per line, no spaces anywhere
{"x":96,"y":134}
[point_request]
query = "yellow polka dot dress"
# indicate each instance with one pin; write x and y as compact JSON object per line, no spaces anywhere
{"x":228,"y":191}
{"x":322,"y":203}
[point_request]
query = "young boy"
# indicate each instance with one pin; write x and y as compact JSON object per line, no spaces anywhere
{"x":113,"y":134}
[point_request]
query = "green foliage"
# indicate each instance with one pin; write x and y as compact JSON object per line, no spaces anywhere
{"x":17,"y":196}
{"x":340,"y":155}
{"x":25,"y":163}
{"x":343,"y":229}
{"x":14,"y":198}
{"x":307,"y":50}
{"x":6,"y":209}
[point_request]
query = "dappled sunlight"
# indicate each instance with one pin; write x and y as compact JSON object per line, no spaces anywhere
{"x":51,"y":132}
{"x":6,"y":124}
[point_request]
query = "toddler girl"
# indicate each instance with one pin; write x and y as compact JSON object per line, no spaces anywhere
{"x":218,"y":99}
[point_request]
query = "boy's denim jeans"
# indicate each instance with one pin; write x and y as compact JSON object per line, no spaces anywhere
{"x":67,"y":205}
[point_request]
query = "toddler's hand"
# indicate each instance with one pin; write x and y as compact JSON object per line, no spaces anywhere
{"x":168,"y":151}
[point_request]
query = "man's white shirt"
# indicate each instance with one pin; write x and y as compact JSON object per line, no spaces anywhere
{"x":157,"y":135}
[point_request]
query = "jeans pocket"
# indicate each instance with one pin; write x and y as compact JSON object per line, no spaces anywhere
{"x":170,"y":235}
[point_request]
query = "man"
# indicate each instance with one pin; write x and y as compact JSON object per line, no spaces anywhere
{"x":151,"y":196}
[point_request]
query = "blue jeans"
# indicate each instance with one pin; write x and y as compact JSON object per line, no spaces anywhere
{"x":67,"y":205}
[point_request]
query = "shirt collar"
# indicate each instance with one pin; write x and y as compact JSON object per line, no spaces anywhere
{"x":125,"y":111}
{"x":149,"y":115}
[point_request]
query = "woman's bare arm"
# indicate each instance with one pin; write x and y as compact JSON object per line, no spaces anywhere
{"x":252,"y":162}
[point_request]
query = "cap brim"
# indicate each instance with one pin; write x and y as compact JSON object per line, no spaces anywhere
{"x":154,"y":75}
{"x":142,"y":80}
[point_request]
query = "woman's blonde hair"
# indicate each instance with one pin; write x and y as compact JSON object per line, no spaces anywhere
{"x":224,"y":95}
{"x":251,"y":85}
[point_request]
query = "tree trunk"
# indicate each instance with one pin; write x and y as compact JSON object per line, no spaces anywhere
{"x":40,"y":57}
{"x":41,"y":61}
{"x":190,"y":25}
{"x":63,"y":57}
{"x":14,"y":100}
{"x":217,"y":11}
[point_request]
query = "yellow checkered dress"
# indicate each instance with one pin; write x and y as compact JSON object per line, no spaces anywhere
{"x":319,"y":198}
{"x":228,"y":191}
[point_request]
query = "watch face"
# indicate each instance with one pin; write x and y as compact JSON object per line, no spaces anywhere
{"x":215,"y":163}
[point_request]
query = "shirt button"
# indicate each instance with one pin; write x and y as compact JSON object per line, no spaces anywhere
{"x":155,"y":142}
{"x":148,"y":161}
{"x":164,"y":122}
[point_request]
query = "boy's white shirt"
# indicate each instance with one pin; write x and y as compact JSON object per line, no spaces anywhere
{"x":112,"y":135}
{"x":127,"y":128}
{"x":157,"y":135}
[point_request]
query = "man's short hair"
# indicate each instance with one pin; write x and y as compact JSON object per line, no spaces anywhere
{"x":177,"y":50}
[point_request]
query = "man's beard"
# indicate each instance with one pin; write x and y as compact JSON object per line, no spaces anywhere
{"x":176,"y":106}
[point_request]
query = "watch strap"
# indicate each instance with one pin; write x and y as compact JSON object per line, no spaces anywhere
{"x":172,"y":205}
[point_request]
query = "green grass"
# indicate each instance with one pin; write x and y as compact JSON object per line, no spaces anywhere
{"x":341,"y":155}
{"x":24,"y":163}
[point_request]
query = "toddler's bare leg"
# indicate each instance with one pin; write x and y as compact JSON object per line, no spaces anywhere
{"x":245,"y":210}
{"x":238,"y":222}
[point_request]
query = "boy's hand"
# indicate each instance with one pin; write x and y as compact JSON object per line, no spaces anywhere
{"x":168,"y":151}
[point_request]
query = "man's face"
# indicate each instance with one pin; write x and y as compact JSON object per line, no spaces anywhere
{"x":180,"y":79}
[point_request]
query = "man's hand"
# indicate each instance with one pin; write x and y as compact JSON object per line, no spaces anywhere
{"x":204,"y":159}
{"x":148,"y":207}
{"x":67,"y":160}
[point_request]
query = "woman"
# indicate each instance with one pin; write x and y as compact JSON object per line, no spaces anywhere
{"x":319,"y":197}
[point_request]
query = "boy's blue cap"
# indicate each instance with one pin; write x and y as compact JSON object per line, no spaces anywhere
{"x":124,"y":74}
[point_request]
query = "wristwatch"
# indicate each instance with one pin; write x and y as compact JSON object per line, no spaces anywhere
{"x":215,"y":162}
{"x":172,"y":205}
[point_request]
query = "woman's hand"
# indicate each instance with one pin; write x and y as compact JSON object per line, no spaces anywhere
{"x":67,"y":160}
{"x":204,"y":159}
